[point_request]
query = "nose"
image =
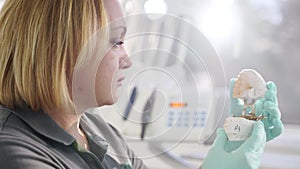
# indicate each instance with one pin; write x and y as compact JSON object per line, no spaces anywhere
{"x":125,"y":61}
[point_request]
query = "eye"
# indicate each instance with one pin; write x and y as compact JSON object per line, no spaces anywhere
{"x":118,"y":44}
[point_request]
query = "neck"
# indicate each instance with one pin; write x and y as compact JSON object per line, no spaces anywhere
{"x":67,"y":121}
{"x":70,"y":123}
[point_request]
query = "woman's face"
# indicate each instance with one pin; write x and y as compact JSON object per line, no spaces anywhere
{"x":110,"y":75}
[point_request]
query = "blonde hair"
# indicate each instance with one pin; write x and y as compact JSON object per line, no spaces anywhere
{"x":39,"y":42}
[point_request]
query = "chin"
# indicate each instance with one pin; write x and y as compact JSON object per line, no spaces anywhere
{"x":108,"y":102}
{"x":111,"y":102}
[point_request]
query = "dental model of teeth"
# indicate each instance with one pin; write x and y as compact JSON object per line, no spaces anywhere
{"x":249,"y":86}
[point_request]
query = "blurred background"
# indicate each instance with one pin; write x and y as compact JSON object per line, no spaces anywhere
{"x":257,"y":34}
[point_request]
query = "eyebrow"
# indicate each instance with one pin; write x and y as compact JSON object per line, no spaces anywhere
{"x":121,"y":27}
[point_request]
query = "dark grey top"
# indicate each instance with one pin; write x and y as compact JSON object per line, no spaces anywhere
{"x":33,"y":140}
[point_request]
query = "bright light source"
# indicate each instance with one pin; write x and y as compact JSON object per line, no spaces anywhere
{"x":219,"y":22}
{"x":155,"y":6}
{"x":129,"y":6}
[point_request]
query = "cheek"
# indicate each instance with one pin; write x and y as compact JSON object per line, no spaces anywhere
{"x":111,"y":66}
{"x":107,"y":70}
{"x":106,"y":79}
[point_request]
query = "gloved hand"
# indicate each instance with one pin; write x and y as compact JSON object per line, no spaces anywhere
{"x":235,"y":109}
{"x":268,"y":107}
{"x":247,"y":156}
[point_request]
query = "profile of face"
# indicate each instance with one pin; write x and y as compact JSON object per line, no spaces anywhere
{"x":110,"y":74}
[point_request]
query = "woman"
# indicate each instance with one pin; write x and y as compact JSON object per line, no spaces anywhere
{"x":49,"y":57}
{"x":41,"y":43}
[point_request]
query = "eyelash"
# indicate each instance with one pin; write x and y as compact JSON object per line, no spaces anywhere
{"x":117,"y":44}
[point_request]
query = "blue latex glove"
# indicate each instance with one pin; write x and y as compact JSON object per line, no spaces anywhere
{"x":268,"y":107}
{"x":247,"y":156}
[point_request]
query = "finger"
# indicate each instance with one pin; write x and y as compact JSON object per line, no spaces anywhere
{"x":271,"y":110}
{"x":236,"y":109}
{"x":261,"y":149}
{"x":271,"y":93}
{"x":236,"y":104}
{"x":259,"y":107}
{"x":232,"y":82}
{"x":257,"y":138}
{"x":220,"y":140}
{"x":233,"y":145}
{"x":277,"y":129}
{"x":267,"y":123}
{"x":272,"y":86}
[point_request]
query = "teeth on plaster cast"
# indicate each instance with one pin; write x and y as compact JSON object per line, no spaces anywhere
{"x":249,"y":84}
{"x":249,"y":87}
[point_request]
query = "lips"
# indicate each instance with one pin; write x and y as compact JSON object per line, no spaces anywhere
{"x":120,"y":80}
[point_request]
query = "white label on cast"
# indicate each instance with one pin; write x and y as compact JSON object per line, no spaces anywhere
{"x":238,"y":128}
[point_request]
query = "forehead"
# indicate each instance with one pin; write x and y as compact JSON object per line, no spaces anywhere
{"x":115,"y":14}
{"x":114,"y":10}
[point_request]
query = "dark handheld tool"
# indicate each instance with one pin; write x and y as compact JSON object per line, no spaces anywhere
{"x":146,"y":116}
{"x":130,"y":103}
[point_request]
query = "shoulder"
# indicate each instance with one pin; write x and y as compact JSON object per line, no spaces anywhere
{"x":12,"y":128}
{"x":22,"y":147}
{"x":20,"y":153}
{"x":17,"y":147}
{"x":18,"y":142}
{"x":11,"y":125}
